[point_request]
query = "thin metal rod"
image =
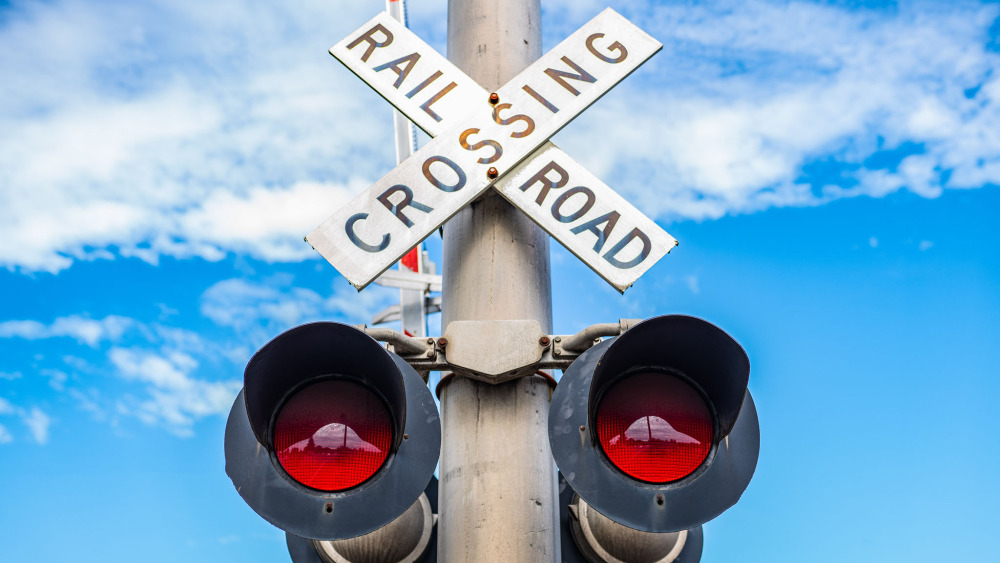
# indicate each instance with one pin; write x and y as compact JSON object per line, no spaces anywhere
{"x":402,"y":344}
{"x":585,"y":338}
{"x":497,"y":491}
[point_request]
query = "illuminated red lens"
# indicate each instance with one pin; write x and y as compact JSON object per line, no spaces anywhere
{"x":333,"y":435}
{"x":655,"y":427}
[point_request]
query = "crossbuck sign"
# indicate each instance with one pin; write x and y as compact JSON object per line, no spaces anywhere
{"x":482,"y":141}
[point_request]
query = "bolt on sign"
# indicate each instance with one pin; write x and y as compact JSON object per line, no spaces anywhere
{"x":498,"y":140}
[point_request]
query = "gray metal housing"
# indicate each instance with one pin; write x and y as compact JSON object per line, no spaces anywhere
{"x":671,"y":507}
{"x":305,"y":512}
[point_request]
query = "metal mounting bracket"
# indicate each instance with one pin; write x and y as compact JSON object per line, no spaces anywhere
{"x":495,"y":351}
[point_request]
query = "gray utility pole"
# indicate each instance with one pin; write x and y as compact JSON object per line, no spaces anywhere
{"x":497,"y":492}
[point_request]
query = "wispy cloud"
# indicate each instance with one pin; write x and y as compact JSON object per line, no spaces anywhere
{"x":761,"y":104}
{"x":177,"y":128}
{"x":38,"y":423}
{"x":35,"y":419}
{"x":159,"y":365}
{"x":262,"y":309}
{"x":177,"y":399}
{"x":83,"y":329}
{"x":202,"y":129}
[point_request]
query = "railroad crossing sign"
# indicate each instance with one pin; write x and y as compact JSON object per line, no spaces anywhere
{"x":482,"y":141}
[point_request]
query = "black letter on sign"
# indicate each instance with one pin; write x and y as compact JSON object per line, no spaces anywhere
{"x":579,"y":212}
{"x":559,"y":75}
{"x":368,"y":38}
{"x":360,"y":243}
{"x":424,"y":84}
{"x":426,"y":106}
{"x":401,"y":71}
{"x":530,"y":123}
{"x":611,"y":218}
{"x":531,"y":92}
{"x":610,"y":256}
{"x":547,"y":184}
{"x":407,"y":201}
{"x":616,"y":46}
{"x":459,"y":184}
{"x":463,"y":140}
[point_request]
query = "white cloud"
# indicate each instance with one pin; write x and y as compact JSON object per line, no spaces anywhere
{"x":38,"y":423}
{"x":140,"y":365}
{"x":57,"y":378}
{"x":200,"y":129}
{"x":35,"y":419}
{"x":164,"y":369}
{"x":262,"y":309}
{"x":10,"y":375}
{"x":176,"y":399}
{"x":748,"y":94}
{"x":692,"y":283}
{"x":178,"y":128}
{"x":89,"y":402}
{"x":926,"y":245}
{"x":85,"y":330}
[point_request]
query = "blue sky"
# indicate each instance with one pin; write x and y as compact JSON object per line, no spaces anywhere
{"x":831,"y":170}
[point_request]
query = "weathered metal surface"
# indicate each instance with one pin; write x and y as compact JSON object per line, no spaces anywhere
{"x":587,"y":216}
{"x":304,"y":550}
{"x":496,"y":266}
{"x":619,"y":266}
{"x":409,"y":74}
{"x":302,"y":512}
{"x":405,"y":279}
{"x":494,"y":350}
{"x":642,"y":242}
{"x":380,"y":225}
{"x":404,"y":540}
{"x":649,"y":507}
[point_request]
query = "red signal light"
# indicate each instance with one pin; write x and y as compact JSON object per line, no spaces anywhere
{"x":333,"y":435}
{"x":655,"y":427}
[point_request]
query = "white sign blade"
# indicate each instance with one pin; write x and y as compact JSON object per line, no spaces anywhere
{"x":409,"y":74}
{"x":589,"y":218}
{"x":609,"y":268}
{"x":380,"y":225}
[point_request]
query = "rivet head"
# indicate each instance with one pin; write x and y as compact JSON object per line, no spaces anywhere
{"x":544,"y":341}
{"x":494,"y":98}
{"x":442,"y":342}
{"x":492,"y":173}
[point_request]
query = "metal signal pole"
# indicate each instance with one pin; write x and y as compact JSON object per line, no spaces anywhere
{"x":497,"y":492}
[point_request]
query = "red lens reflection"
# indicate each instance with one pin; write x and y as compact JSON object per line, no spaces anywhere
{"x":654,"y":427}
{"x":333,"y":435}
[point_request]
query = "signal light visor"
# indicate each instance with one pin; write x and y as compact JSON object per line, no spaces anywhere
{"x":655,"y":427}
{"x":333,"y":435}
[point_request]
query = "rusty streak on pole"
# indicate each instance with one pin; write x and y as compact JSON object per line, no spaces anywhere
{"x":497,"y":494}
